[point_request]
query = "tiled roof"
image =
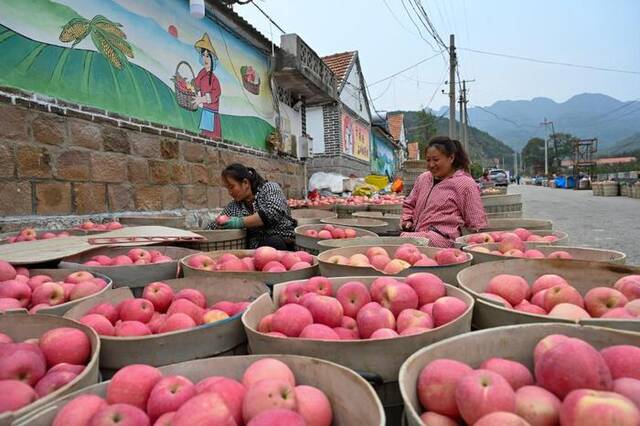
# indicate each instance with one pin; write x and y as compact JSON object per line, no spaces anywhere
{"x":340,"y":63}
{"x":395,"y":123}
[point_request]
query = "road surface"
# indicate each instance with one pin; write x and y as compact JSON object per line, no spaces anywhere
{"x":601,"y":222}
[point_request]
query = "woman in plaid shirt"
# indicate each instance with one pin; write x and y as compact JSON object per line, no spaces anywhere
{"x":259,"y":206}
{"x":445,"y":198}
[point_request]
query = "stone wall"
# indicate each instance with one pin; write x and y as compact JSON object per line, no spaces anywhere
{"x":58,"y":159}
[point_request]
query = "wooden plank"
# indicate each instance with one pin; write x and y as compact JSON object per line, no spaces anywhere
{"x":39,"y":251}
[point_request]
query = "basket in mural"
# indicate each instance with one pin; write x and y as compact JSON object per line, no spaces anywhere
{"x":185,"y":91}
{"x":250,"y":79}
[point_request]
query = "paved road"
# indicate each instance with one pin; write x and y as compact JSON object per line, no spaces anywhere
{"x":602,"y":222}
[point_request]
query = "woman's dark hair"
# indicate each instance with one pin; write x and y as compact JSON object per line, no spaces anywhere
{"x":208,"y":52}
{"x":451,"y":147}
{"x":239,"y":172}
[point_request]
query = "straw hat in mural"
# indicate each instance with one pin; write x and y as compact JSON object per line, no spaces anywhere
{"x":205,"y":43}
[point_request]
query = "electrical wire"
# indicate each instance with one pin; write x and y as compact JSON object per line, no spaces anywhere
{"x":403,"y":70}
{"x":544,"y":61}
{"x":268,"y":17}
{"x":397,"y":19}
{"x":416,"y":25}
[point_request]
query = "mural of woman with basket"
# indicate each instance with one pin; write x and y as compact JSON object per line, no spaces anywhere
{"x":204,"y":90}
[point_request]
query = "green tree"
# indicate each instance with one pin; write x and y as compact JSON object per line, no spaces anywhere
{"x":424,"y":129}
{"x":560,"y":147}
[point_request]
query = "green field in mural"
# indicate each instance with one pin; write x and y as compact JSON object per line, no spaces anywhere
{"x":133,"y":91}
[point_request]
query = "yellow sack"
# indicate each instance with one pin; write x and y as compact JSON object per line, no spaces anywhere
{"x":380,"y":182}
{"x":364,"y":189}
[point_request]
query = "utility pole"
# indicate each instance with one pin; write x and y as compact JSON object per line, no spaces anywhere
{"x":461,"y":132}
{"x":546,"y":145}
{"x":452,"y":86}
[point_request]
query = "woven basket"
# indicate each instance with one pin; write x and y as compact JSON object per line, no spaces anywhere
{"x":184,"y":98}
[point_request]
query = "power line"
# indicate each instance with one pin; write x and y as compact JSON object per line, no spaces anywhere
{"x":268,"y":17}
{"x":416,"y":25}
{"x":508,"y":120}
{"x":625,"y":105}
{"x":544,"y":61}
{"x":397,"y":19}
{"x":404,"y":69}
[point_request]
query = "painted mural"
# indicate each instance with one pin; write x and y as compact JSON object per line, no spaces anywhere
{"x":383,"y":157}
{"x":145,"y":59}
{"x":355,"y":138}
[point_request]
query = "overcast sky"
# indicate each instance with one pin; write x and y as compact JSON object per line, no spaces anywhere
{"x":601,"y":33}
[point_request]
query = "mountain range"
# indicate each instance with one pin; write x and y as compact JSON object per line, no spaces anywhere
{"x":587,"y":115}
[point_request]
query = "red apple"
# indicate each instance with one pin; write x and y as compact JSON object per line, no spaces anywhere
{"x":49,"y":293}
{"x":79,"y":410}
{"x":204,"y":409}
{"x":547,"y":281}
{"x":267,"y":394}
{"x":372,"y":317}
{"x":65,"y":344}
{"x":318,"y":332}
{"x":629,"y":286}
{"x":159,"y":294}
{"x":15,"y":289}
{"x":131,"y":328}
{"x":447,"y":309}
{"x":16,"y":395}
{"x":623,"y":361}
{"x":292,"y":293}
{"x":437,"y":385}
{"x":428,"y":287}
{"x":107,"y":310}
{"x":587,"y":407}
{"x":132,"y":385}
{"x":291,"y":319}
{"x":23,"y":362}
{"x":187,"y":307}
{"x":326,"y":310}
{"x":51,"y":382}
{"x":513,"y":288}
{"x":482,"y":392}
{"x":353,"y":295}
{"x":599,"y":300}
{"x":100,"y":324}
{"x":562,"y":294}
{"x":230,"y":390}
{"x":120,"y":415}
{"x":136,"y":310}
{"x":514,"y":372}
{"x":538,"y":406}
{"x":319,"y":285}
{"x":168,"y":395}
{"x":7,"y":272}
{"x":267,"y":368}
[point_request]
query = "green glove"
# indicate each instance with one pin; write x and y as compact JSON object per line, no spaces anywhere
{"x":234,"y":223}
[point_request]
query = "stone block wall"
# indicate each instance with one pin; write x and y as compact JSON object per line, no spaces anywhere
{"x":58,"y":159}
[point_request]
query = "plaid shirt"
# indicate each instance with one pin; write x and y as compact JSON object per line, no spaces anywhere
{"x":439,"y":211}
{"x":272,"y":207}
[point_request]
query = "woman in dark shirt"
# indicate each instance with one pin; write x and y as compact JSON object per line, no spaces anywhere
{"x":259,"y":206}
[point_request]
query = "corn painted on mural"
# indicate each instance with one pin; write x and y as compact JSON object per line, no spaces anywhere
{"x":145,"y":59}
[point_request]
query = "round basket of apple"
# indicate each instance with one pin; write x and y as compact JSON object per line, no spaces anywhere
{"x":398,"y":260}
{"x":373,"y":241}
{"x":130,"y":267}
{"x":47,"y":291}
{"x":308,"y":236}
{"x":311,"y":216}
{"x":524,"y":235}
{"x":264,"y":264}
{"x":523,"y":291}
{"x":196,"y":317}
{"x":506,"y":224}
{"x":392,"y":220}
{"x":227,"y":391}
{"x":534,"y":374}
{"x":32,"y":234}
{"x":353,"y":320}
{"x":42,"y":357}
{"x":490,"y":252}
{"x":372,"y":225}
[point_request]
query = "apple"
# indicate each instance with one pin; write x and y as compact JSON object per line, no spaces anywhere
{"x":136,"y":310}
{"x":267,"y":368}
{"x":168,"y":394}
{"x":480,"y":238}
{"x":587,"y":407}
{"x":7,"y":272}
{"x":502,"y":418}
{"x":431,"y":418}
{"x":231,"y":391}
{"x":353,"y":295}
{"x":396,"y":266}
{"x":437,"y":384}
{"x":572,"y":364}
{"x":522,"y":233}
{"x":264,"y":326}
{"x":201,"y":261}
{"x":305,"y":257}
{"x":629,"y":286}
{"x":383,"y":333}
{"x":53,"y":381}
{"x":376,"y":251}
{"x":338,"y":260}
{"x":185,"y":306}
{"x":545,"y":282}
{"x":599,"y":300}
{"x":319,"y":285}
{"x":65,"y":366}
{"x":5,"y":338}
{"x":530,"y":308}
{"x":79,"y":411}
{"x":326,"y":310}
{"x":318,"y":332}
{"x":447,"y":309}
{"x":120,"y":415}
{"x":139,"y":254}
{"x":482,"y":392}
{"x":311,"y":233}
{"x":84,"y":289}
{"x":428,"y":287}
{"x":359,"y":259}
{"x":568,"y":311}
{"x":510,"y":241}
{"x":159,"y":294}
{"x":16,"y":395}
{"x":264,"y":255}
{"x":512,"y":288}
{"x":65,"y":344}
{"x":538,"y":406}
{"x":398,"y":297}
{"x":78,"y":277}
{"x":222,"y":219}
{"x":107,"y":310}
{"x":560,"y":254}
{"x":291,"y":319}
{"x":131,"y":328}
{"x":495,"y":297}
{"x":623,"y":361}
{"x":121,"y":260}
{"x":514,"y":372}
{"x":193,"y":295}
{"x":8,"y":304}
{"x":378,"y":285}
{"x":628,"y":387}
{"x":132,"y":385}
{"x":37,"y":280}
{"x":267,"y":394}
{"x":50,"y":293}
{"x":23,"y":362}
{"x":177,"y":321}
{"x":562,"y":294}
{"x":99,"y":323}
{"x":214,"y":315}
{"x":633,"y":307}
{"x":15,"y":289}
{"x":379,"y":262}
{"x":372,"y":317}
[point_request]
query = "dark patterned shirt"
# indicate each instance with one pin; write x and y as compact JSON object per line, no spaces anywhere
{"x":272,"y":207}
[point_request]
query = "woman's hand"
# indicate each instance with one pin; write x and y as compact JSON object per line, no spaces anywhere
{"x":407,"y":225}
{"x":234,"y":223}
{"x":199,"y":101}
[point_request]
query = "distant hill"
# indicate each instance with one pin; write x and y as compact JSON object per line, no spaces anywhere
{"x":484,"y":147}
{"x":586,"y":115}
{"x":629,"y":145}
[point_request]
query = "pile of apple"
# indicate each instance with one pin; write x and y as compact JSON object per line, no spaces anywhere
{"x":30,"y":234}
{"x":517,"y":249}
{"x":136,"y":256}
{"x":158,"y":311}
{"x":19,"y":290}
{"x":388,"y":309}
{"x":329,"y":232}
{"x":36,"y":367}
{"x":92,"y":226}
{"x":552,"y":295}
{"x":518,"y":234}
{"x":140,"y":395}
{"x":572,"y":385}
{"x":265,"y":259}
{"x":405,"y":256}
